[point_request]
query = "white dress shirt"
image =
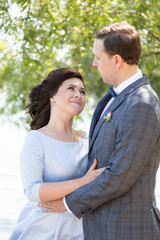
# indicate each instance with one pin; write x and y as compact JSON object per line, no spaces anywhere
{"x":123,"y":85}
{"x":117,"y":90}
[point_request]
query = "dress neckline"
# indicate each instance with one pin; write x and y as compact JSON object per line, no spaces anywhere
{"x":60,"y":140}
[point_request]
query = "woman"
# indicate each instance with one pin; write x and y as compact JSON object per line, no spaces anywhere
{"x":53,"y":159}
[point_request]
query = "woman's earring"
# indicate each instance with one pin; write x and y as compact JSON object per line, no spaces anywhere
{"x":52,"y":102}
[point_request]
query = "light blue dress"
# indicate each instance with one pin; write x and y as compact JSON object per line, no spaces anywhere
{"x":44,"y":159}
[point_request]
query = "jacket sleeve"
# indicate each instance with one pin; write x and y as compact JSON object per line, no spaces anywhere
{"x":136,"y":139}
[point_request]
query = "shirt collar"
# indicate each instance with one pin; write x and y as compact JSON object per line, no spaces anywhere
{"x":128,"y":82}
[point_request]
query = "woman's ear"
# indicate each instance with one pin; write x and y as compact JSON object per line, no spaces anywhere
{"x":52,"y":100}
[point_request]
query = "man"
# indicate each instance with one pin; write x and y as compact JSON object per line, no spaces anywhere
{"x":124,"y":134}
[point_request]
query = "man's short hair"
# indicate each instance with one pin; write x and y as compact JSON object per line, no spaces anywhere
{"x":122,"y":39}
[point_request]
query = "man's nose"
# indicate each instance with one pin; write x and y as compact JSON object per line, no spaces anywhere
{"x":94,"y":64}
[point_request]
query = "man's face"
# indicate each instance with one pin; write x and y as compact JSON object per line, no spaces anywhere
{"x":103,"y":62}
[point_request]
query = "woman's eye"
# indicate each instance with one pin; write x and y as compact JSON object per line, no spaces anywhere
{"x":71,"y":88}
{"x":83,"y":92}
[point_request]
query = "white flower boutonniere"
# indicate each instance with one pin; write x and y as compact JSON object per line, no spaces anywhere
{"x":108,"y":117}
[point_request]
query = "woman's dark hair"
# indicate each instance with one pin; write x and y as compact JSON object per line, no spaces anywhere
{"x":39,"y":106}
{"x":123,"y":39}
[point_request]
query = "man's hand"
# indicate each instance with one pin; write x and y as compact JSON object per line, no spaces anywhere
{"x":55,"y":206}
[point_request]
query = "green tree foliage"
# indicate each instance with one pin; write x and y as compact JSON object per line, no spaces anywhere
{"x":37,"y":36}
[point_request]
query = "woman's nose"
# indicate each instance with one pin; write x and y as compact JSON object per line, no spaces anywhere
{"x":77,"y":94}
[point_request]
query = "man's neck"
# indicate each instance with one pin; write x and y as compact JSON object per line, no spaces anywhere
{"x":128,"y":81}
{"x":125,"y":73}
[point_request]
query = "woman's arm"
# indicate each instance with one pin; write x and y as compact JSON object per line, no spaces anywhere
{"x":55,"y":190}
{"x":31,"y":168}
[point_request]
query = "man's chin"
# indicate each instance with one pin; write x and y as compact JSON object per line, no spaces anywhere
{"x":105,"y":80}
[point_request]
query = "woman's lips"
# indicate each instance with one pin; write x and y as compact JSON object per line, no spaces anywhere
{"x":76,"y":102}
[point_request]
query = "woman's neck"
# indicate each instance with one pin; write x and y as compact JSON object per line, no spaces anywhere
{"x":60,"y":125}
{"x":61,"y":129}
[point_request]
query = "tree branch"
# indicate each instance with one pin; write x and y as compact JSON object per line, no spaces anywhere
{"x":153,"y":35}
{"x":150,"y":54}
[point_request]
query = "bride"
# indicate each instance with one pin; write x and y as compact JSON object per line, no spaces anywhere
{"x":53,"y":160}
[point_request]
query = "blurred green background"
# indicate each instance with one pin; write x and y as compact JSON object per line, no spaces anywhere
{"x":37,"y":36}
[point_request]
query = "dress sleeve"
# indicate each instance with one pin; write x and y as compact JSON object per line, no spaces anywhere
{"x":31,"y":166}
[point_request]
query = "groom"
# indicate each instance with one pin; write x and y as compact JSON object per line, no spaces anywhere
{"x":124,"y":134}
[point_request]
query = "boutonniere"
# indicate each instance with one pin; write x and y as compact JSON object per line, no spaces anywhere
{"x":108,"y":117}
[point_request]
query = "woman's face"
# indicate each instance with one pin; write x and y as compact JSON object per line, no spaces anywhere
{"x":70,"y":98}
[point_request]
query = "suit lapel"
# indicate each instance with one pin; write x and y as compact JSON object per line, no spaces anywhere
{"x":117,"y":101}
{"x":114,"y":105}
{"x":97,"y":113}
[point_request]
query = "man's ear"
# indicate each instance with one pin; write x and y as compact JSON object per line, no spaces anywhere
{"x":118,"y":61}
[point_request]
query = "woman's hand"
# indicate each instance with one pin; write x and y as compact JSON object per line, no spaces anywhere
{"x":92,"y":173}
{"x":55,"y":206}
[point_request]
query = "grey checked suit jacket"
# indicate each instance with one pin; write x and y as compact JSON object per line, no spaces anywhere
{"x":120,"y":203}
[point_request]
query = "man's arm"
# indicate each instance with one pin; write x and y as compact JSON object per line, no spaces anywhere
{"x":136,"y":140}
